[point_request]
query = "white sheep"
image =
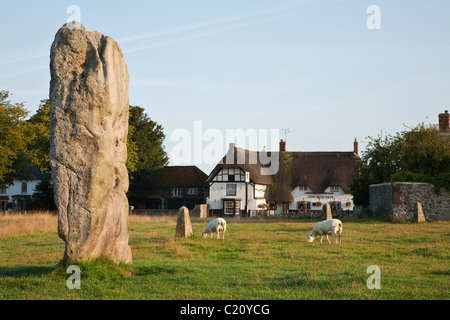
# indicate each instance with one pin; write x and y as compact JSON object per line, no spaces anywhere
{"x":216,"y":225}
{"x":326,"y":227}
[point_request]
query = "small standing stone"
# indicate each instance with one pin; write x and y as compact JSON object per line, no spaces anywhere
{"x":418,"y":213}
{"x":327,"y":211}
{"x":184,"y":227}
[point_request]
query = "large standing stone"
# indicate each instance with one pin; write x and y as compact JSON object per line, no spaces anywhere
{"x":184,"y":227}
{"x":88,"y":134}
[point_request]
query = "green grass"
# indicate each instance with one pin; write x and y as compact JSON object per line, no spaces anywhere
{"x":256,"y":260}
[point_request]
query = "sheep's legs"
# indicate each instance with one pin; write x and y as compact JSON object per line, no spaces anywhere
{"x":335,"y":237}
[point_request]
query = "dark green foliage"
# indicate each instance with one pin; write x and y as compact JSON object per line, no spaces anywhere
{"x":419,"y":154}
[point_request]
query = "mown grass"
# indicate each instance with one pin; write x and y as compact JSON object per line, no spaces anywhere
{"x":258,"y":259}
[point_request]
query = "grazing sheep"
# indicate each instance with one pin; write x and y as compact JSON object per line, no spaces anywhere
{"x":326,"y":227}
{"x":215,"y":225}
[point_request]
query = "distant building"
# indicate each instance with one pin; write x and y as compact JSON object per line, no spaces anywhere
{"x":172,"y":187}
{"x":227,"y":186}
{"x":305,"y":181}
{"x":16,"y":196}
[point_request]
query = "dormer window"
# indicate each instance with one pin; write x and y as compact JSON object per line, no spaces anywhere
{"x":334,"y":189}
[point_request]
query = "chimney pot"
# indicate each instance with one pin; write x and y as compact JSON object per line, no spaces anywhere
{"x":444,"y":121}
{"x":355,"y":147}
{"x":282,"y":146}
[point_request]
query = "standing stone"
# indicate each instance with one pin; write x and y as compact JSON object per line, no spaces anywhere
{"x":418,"y":213}
{"x":184,"y":227}
{"x":89,"y":109}
{"x":327,"y":212}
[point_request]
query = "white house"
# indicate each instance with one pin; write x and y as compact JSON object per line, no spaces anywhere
{"x":229,"y":193}
{"x":304,"y":182}
{"x":15,"y":196}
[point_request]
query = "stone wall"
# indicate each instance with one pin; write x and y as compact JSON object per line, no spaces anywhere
{"x":399,"y":199}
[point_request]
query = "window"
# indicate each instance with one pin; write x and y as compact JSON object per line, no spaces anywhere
{"x":176,"y":192}
{"x":230,"y":175}
{"x":303,"y":188}
{"x":238,"y":206}
{"x":334,"y":189}
{"x":24,"y":187}
{"x":231,"y":189}
{"x":193,"y":190}
{"x":229,"y":207}
{"x":304,"y":205}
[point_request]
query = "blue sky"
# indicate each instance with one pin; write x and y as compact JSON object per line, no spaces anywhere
{"x":311,"y":66}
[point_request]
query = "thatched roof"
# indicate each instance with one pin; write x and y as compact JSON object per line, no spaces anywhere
{"x":248,"y":161}
{"x":316,"y":170}
{"x":179,"y":177}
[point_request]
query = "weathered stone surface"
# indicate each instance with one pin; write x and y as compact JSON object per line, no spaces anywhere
{"x":418,"y":213}
{"x":327,"y":212}
{"x":88,"y":134}
{"x":184,"y":227}
{"x":399,"y":199}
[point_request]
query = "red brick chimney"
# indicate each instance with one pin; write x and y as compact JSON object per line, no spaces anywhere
{"x":355,"y":147}
{"x":282,"y":146}
{"x":444,"y":121}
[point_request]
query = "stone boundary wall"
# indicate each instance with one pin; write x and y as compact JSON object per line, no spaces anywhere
{"x":199,"y":211}
{"x":399,"y":200}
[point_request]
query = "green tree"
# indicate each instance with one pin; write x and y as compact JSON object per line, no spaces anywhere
{"x":421,"y":154}
{"x":149,"y":137}
{"x":39,"y":147}
{"x":15,"y":135}
{"x":424,"y":150}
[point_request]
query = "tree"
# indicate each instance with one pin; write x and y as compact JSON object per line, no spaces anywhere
{"x":420,"y":153}
{"x":39,"y":147}
{"x":15,"y":135}
{"x":149,"y":138}
{"x":43,"y":199}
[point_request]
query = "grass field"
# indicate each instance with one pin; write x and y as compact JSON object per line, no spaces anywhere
{"x":257,"y":260}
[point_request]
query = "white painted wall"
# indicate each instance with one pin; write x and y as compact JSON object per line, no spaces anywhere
{"x":16,"y":188}
{"x":218,"y":191}
{"x":328,"y":196}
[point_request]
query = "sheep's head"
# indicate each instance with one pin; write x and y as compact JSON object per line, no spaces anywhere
{"x":310,"y":238}
{"x":204,"y":234}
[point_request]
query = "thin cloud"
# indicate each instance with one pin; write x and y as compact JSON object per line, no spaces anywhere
{"x":25,"y":58}
{"x":199,"y":25}
{"x":183,"y":29}
{"x":23,"y":72}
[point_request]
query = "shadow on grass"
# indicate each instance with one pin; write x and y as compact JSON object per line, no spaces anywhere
{"x":26,"y":271}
